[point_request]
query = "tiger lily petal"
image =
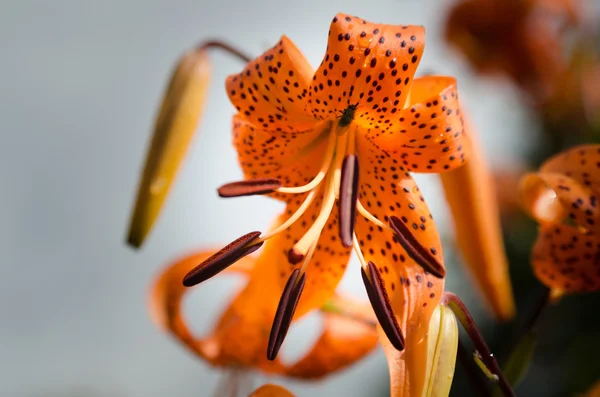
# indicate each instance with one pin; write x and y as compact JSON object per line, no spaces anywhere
{"x":342,"y":138}
{"x":409,"y":368}
{"x":173,"y":131}
{"x":271,"y":390}
{"x":470,"y":195}
{"x":241,"y":335}
{"x":563,"y":198}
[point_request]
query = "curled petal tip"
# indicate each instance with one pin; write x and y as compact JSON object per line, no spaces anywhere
{"x":381,"y":306}
{"x":249,"y":188}
{"x":285,"y":312}
{"x":415,"y":250}
{"x":174,"y":128}
{"x":224,"y":258}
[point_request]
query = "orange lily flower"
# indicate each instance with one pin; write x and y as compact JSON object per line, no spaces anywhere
{"x":300,"y":137}
{"x":241,"y":334}
{"x":332,"y":143}
{"x":270,"y":390}
{"x":478,"y":231}
{"x":521,"y":38}
{"x":563,"y":198}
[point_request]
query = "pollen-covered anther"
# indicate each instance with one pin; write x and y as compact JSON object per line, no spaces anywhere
{"x":249,"y":188}
{"x":224,"y":258}
{"x":415,"y":250}
{"x":285,"y":312}
{"x":381,"y":305}
{"x":348,"y":199}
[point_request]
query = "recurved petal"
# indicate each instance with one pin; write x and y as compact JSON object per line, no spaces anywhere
{"x":270,"y":92}
{"x":168,"y":291}
{"x":427,"y":135}
{"x":387,"y":189}
{"x":174,"y":128}
{"x":348,"y":335}
{"x":366,"y":64}
{"x":566,"y":259}
{"x":581,"y":163}
{"x":554,"y":198}
{"x":472,"y":200}
{"x":271,"y":390}
{"x":415,"y":304}
{"x":292,"y":158}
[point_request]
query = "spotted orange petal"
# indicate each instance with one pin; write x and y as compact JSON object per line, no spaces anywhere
{"x":165,"y":305}
{"x":414,"y":306}
{"x":582,"y":163}
{"x":567,"y":260}
{"x":325,"y":269}
{"x":348,"y":335}
{"x":553,"y":197}
{"x":366,"y":64}
{"x":428,"y":134}
{"x":387,"y":189}
{"x":270,"y":91}
{"x":292,"y":158}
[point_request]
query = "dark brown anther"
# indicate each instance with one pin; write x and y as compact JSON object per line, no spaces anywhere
{"x":415,"y":250}
{"x":249,"y":188}
{"x":348,"y":198}
{"x":382,"y":307}
{"x":295,"y":257}
{"x":285,"y":312}
{"x":226,"y":257}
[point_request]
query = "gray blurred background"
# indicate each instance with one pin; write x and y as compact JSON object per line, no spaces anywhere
{"x":80,"y":82}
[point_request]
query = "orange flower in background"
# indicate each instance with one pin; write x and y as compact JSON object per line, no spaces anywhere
{"x":240,"y":337}
{"x":563,"y":198}
{"x":332,"y":143}
{"x":270,"y":390}
{"x":476,"y":214}
{"x":523,"y":39}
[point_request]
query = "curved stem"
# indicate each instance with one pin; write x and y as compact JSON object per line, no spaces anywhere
{"x":226,"y":47}
{"x":488,"y":358}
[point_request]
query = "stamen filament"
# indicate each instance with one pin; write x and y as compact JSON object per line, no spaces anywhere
{"x":292,"y":219}
{"x":363,"y":211}
{"x":300,"y":249}
{"x":359,"y":255}
{"x":329,"y":155}
{"x":309,"y":255}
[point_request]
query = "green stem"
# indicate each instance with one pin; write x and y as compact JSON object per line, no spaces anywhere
{"x":488,"y":358}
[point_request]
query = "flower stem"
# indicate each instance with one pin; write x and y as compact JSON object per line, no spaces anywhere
{"x":488,"y":358}
{"x":226,"y":47}
{"x":474,"y":378}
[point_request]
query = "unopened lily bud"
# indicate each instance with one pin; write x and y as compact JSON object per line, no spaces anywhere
{"x":174,"y":128}
{"x":441,"y":352}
